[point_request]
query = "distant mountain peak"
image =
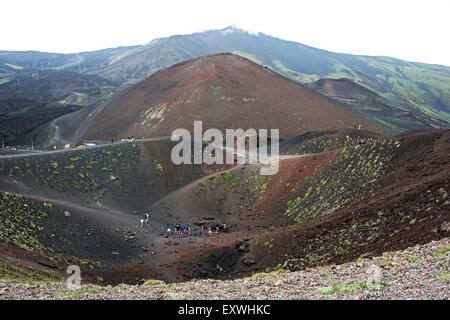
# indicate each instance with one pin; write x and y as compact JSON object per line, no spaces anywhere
{"x":235,"y":29}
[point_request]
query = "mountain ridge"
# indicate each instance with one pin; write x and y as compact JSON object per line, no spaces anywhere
{"x":412,"y":86}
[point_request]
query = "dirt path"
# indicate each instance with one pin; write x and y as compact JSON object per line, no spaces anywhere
{"x":41,"y":153}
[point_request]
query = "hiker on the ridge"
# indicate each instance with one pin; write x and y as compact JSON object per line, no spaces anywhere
{"x":142,"y":223}
{"x":147,"y":216}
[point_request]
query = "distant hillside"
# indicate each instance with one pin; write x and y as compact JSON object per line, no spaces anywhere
{"x":67,"y":87}
{"x":43,"y":60}
{"x":373,"y":106}
{"x":21,"y":127}
{"x":32,"y":98}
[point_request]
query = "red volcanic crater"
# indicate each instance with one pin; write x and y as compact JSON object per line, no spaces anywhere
{"x":224,"y":91}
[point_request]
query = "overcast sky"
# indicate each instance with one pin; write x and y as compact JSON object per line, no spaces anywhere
{"x":408,"y":29}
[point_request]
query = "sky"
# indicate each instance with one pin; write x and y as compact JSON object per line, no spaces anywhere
{"x":406,"y":29}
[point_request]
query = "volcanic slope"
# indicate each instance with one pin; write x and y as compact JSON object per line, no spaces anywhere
{"x":224,"y":91}
{"x":366,"y":196}
{"x":370,"y":104}
{"x":355,"y":194}
{"x":83,"y":207}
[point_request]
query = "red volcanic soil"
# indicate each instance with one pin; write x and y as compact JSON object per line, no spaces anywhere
{"x":293,"y":171}
{"x":343,"y":88}
{"x":225,"y":91}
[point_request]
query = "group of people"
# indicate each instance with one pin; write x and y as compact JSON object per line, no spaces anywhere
{"x":217,"y":228}
{"x":179,"y":230}
{"x":183,"y":230}
{"x":186,"y":230}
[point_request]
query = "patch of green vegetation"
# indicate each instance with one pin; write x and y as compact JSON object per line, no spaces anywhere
{"x":158,"y":167}
{"x":384,"y":262}
{"x":249,"y":56}
{"x":343,"y":288}
{"x":26,"y":275}
{"x":268,"y":273}
{"x":31,"y":282}
{"x":201,"y":187}
{"x":340,"y":70}
{"x":442,"y":252}
{"x":175,"y":294}
{"x":73,"y":294}
{"x":215,"y":181}
{"x":77,"y":99}
{"x":443,"y":277}
{"x":233,"y":184}
{"x":269,"y":245}
{"x":227,"y":176}
{"x":257,"y":184}
{"x":153,"y":282}
{"x":298,"y":76}
{"x":227,"y":179}
{"x":415,"y":259}
{"x":119,"y":288}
